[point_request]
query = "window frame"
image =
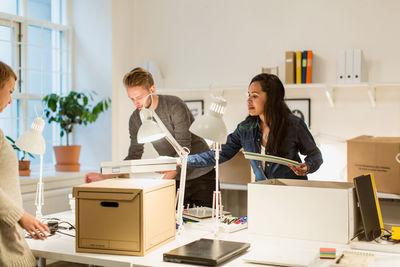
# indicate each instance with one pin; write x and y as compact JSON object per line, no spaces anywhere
{"x":62,"y":70}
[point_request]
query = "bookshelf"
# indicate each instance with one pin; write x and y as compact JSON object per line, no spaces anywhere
{"x":330,"y":89}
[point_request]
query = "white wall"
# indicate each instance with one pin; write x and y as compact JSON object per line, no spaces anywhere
{"x":92,"y":71}
{"x":221,"y":44}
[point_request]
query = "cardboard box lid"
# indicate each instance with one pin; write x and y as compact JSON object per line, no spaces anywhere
{"x":374,"y":139}
{"x":306,"y":183}
{"x":124,"y":185}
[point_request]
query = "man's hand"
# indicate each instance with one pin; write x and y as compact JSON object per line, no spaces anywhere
{"x":95,"y":176}
{"x":169,"y":174}
{"x":33,"y":226}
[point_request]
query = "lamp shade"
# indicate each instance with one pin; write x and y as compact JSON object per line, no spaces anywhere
{"x":32,"y":141}
{"x":211,"y":126}
{"x":149,"y":131}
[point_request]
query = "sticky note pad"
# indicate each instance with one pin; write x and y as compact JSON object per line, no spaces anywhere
{"x":327,"y":253}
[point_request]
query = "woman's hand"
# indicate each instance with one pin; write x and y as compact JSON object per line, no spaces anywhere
{"x":33,"y":226}
{"x":302,"y":170}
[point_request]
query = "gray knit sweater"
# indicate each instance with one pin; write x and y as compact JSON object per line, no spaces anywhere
{"x":177,"y":117}
{"x":14,"y":250}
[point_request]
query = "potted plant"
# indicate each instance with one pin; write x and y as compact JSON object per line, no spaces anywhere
{"x":66,"y":111}
{"x":23,"y":165}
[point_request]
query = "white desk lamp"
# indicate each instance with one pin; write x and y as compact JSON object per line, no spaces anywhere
{"x":33,"y":142}
{"x":151,"y":130}
{"x":211,"y":126}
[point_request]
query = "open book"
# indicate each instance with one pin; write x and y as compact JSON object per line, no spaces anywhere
{"x":270,"y":158}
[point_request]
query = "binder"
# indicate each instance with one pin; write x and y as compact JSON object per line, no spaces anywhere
{"x":303,"y":66}
{"x":290,"y":58}
{"x":349,"y":66}
{"x":341,"y":66}
{"x":357,"y":65}
{"x":298,"y":67}
{"x":309,"y":66}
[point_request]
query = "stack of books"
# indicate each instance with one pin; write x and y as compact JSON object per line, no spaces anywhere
{"x":298,"y":66}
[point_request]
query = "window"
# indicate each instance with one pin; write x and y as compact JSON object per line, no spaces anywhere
{"x":37,"y":46}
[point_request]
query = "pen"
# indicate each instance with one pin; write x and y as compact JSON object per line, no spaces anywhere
{"x":340,"y":258}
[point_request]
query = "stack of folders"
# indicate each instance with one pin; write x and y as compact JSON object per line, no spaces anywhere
{"x":350,"y":67}
{"x":298,"y":66}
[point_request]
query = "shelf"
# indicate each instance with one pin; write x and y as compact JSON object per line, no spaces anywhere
{"x":388,"y":196}
{"x":330,"y":89}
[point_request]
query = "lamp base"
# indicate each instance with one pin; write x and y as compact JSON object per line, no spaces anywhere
{"x":68,"y":167}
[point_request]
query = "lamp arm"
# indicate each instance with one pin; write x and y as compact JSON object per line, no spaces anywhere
{"x":181,"y":196}
{"x":178,"y":148}
{"x":183,"y":153}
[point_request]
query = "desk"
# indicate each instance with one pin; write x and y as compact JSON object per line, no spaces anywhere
{"x":60,"y":247}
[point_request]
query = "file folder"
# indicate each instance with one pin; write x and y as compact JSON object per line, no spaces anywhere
{"x":349,"y":66}
{"x":290,"y":58}
{"x":357,"y":65}
{"x":341,"y":66}
{"x":309,"y":66}
{"x":298,"y":67}
{"x":303,"y":66}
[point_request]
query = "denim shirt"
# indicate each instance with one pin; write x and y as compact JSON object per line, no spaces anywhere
{"x":248,"y":136}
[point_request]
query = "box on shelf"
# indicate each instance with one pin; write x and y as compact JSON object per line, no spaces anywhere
{"x":301,"y":209}
{"x":124,"y":216}
{"x":377,"y":155}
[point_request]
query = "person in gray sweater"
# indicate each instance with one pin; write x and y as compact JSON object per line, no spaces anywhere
{"x":14,"y":251}
{"x":177,"y":117}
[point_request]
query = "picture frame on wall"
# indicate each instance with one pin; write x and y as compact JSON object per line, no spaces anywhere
{"x":196,"y":107}
{"x":301,"y":107}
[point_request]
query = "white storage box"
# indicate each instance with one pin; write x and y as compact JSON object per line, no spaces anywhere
{"x":300,"y":209}
{"x":138,"y":165}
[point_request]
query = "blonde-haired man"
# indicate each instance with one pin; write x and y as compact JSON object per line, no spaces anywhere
{"x":176,"y":116}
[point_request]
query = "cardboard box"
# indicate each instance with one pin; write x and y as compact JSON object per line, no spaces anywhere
{"x":124,"y":216}
{"x":237,"y":170}
{"x":301,"y":209}
{"x":377,"y":155}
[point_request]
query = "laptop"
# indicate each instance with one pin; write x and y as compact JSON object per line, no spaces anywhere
{"x":210,"y":252}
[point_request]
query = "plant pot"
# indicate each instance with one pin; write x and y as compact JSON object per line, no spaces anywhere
{"x":67,"y":158}
{"x":24,"y":167}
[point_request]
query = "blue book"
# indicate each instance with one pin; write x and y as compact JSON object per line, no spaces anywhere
{"x":303,"y":66}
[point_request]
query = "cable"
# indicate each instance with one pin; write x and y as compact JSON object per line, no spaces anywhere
{"x":65,"y":233}
{"x":358,"y":234}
